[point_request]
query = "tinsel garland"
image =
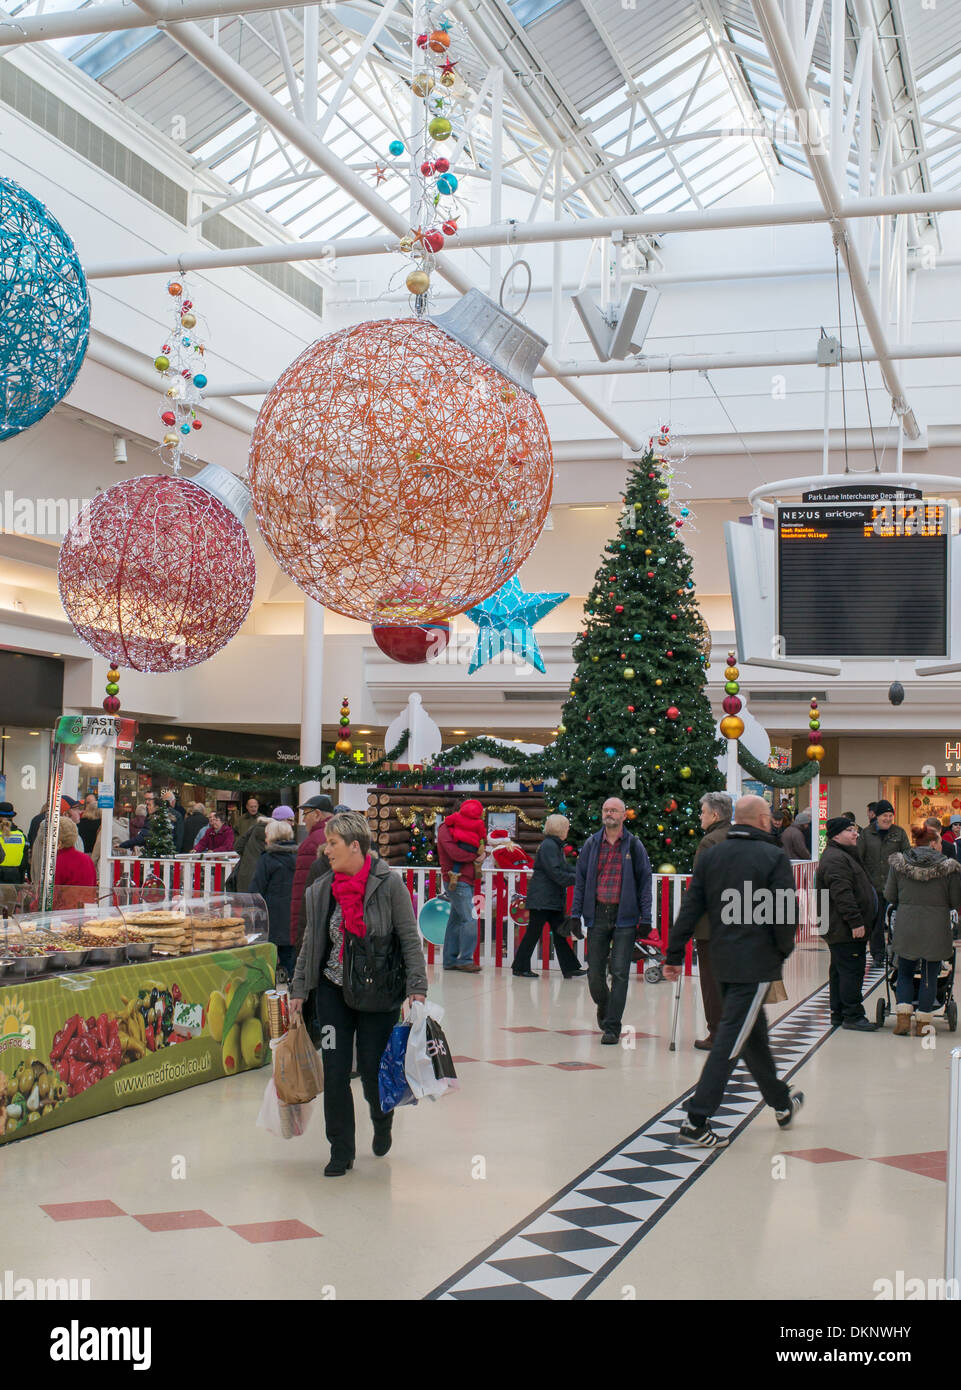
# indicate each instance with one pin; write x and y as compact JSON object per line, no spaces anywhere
{"x":797,"y":776}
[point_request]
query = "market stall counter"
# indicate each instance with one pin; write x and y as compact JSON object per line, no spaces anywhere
{"x":84,"y":1029}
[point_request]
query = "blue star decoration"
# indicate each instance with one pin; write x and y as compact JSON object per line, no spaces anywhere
{"x":505,"y":622}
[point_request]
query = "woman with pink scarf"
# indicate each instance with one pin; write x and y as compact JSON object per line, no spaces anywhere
{"x":361,"y":957}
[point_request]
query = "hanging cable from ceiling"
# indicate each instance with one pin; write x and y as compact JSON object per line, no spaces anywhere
{"x":864,"y":378}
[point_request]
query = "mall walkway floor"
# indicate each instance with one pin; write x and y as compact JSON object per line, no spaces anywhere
{"x":553,"y":1172}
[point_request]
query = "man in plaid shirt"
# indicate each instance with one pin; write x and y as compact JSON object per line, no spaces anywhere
{"x":612,"y":893}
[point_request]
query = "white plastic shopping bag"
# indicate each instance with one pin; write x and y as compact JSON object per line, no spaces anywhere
{"x":286,"y":1121}
{"x":419,"y":1066}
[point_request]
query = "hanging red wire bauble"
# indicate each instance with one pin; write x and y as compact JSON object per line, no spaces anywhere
{"x":381,"y":476}
{"x":156,"y":574}
{"x":412,"y":645}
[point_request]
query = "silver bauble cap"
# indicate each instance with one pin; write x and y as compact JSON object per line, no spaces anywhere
{"x":495,"y":336}
{"x":226,"y":487}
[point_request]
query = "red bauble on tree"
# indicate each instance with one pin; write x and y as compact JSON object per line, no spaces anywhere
{"x":380,"y":474}
{"x":412,"y":645}
{"x":156,"y":573}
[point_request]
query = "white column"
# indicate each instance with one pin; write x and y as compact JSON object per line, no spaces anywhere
{"x":733,"y":784}
{"x":952,"y":1242}
{"x":311,"y":715}
{"x":106,"y":821}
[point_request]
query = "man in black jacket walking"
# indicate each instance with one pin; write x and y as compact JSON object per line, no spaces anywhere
{"x":851,"y":910}
{"x":746,"y":886}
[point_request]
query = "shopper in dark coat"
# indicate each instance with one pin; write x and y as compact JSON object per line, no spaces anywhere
{"x":746,"y":885}
{"x":250,"y":846}
{"x":316,"y":813}
{"x":194,"y":824}
{"x":273,"y":879}
{"x":925,"y":887}
{"x":716,"y":811}
{"x":546,"y":901}
{"x":852,"y":906}
{"x":876,"y":844}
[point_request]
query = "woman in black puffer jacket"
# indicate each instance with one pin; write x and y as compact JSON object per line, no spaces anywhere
{"x":546,"y":899}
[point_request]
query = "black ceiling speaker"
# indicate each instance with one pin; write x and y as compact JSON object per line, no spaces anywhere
{"x":896,"y":693}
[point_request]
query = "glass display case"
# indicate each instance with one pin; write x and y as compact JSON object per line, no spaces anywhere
{"x":107,"y":933}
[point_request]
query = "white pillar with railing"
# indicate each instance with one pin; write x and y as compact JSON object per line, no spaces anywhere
{"x":952,"y":1228}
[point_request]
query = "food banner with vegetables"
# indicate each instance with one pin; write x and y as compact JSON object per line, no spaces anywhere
{"x":77,"y":1045}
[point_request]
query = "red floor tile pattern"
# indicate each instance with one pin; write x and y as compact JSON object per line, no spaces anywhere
{"x":177,"y":1220}
{"x":933,"y":1164}
{"x":514,"y":1062}
{"x":455,"y":1060}
{"x":578,"y":1066}
{"x":821,"y":1155}
{"x":525,"y":1030}
{"x":82,"y":1211}
{"x":257,"y":1232}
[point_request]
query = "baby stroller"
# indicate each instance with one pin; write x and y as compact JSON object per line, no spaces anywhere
{"x":648,"y":948}
{"x":944,"y":1001}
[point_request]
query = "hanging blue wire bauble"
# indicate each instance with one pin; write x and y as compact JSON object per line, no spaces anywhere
{"x":44,"y":311}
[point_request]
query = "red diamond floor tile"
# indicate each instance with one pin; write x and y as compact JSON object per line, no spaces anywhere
{"x":82,"y":1211}
{"x":513,"y":1062}
{"x":463,"y":1059}
{"x":577,"y":1032}
{"x":177,"y":1220}
{"x":525,"y":1030}
{"x":927,"y":1165}
{"x":259,"y":1232}
{"x":820,"y":1155}
{"x":577,"y":1066}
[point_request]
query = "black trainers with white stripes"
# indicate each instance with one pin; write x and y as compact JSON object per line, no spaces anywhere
{"x":785,"y":1117}
{"x":701,"y":1135}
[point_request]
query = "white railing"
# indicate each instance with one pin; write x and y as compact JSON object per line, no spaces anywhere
{"x":185,"y":876}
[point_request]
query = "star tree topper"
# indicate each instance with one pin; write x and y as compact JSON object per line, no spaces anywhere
{"x":505,"y":622}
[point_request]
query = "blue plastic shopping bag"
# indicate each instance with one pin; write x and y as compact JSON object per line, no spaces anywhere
{"x":392,"y":1078}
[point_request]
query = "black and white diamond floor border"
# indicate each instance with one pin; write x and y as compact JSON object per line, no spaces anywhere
{"x":571,"y":1244}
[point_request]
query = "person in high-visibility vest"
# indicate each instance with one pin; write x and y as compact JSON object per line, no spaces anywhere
{"x":13,"y":847}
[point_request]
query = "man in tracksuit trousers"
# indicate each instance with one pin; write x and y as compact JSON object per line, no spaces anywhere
{"x":746,"y":885}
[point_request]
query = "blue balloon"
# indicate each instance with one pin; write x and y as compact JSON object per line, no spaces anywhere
{"x":432,"y":920}
{"x":396,"y":147}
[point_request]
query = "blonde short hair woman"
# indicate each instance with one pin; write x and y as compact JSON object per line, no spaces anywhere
{"x":547,"y":903}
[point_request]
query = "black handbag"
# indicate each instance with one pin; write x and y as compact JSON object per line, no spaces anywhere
{"x":375,"y":977}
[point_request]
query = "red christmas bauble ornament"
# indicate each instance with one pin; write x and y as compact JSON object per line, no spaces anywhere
{"x":630,"y":709}
{"x":441,"y":165}
{"x":619,"y":608}
{"x":168,"y":417}
{"x":111,"y":704}
{"x":673,"y":617}
{"x":341,"y":509}
{"x":434,"y":241}
{"x":673,"y":712}
{"x":667,"y":839}
{"x":668,"y":653}
{"x":174,"y":289}
{"x":422,"y":40}
{"x":689,"y":729}
{"x":650,"y":574}
{"x":196,"y":424}
{"x":449,"y":227}
{"x":412,"y":645}
{"x":731,"y":704}
{"x":156,"y":574}
{"x":427,"y":168}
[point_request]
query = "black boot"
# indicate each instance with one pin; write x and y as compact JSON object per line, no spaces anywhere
{"x":382,"y":1135}
{"x":338,"y":1165}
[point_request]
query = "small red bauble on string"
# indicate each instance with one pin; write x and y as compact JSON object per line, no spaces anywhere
{"x":449,"y":227}
{"x":434,"y":241}
{"x":427,"y":168}
{"x":168,"y":417}
{"x":422,"y":40}
{"x":174,"y":289}
{"x":441,"y":165}
{"x":619,"y":608}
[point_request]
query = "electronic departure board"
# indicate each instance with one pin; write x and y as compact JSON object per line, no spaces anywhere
{"x":863,"y":579}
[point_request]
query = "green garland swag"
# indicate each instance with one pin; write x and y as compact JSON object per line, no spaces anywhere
{"x":794,"y":776}
{"x":257,"y":776}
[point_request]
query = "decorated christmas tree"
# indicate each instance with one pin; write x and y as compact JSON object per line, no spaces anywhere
{"x":637,"y":723}
{"x":160,"y":840}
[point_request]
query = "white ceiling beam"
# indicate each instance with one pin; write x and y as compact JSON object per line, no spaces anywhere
{"x":346,"y":81}
{"x":793,"y":86}
{"x":532,"y":233}
{"x":111,"y":18}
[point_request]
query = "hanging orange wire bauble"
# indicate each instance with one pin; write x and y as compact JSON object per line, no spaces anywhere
{"x":396,"y":476}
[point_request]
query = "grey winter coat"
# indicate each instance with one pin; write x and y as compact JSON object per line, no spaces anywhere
{"x":795,"y":840}
{"x":387,"y":908}
{"x":875,"y":850}
{"x":924,"y":886}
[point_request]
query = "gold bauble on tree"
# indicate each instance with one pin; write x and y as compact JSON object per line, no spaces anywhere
{"x":814,"y":751}
{"x":418,"y":282}
{"x":732,"y":726}
{"x":666,"y":869}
